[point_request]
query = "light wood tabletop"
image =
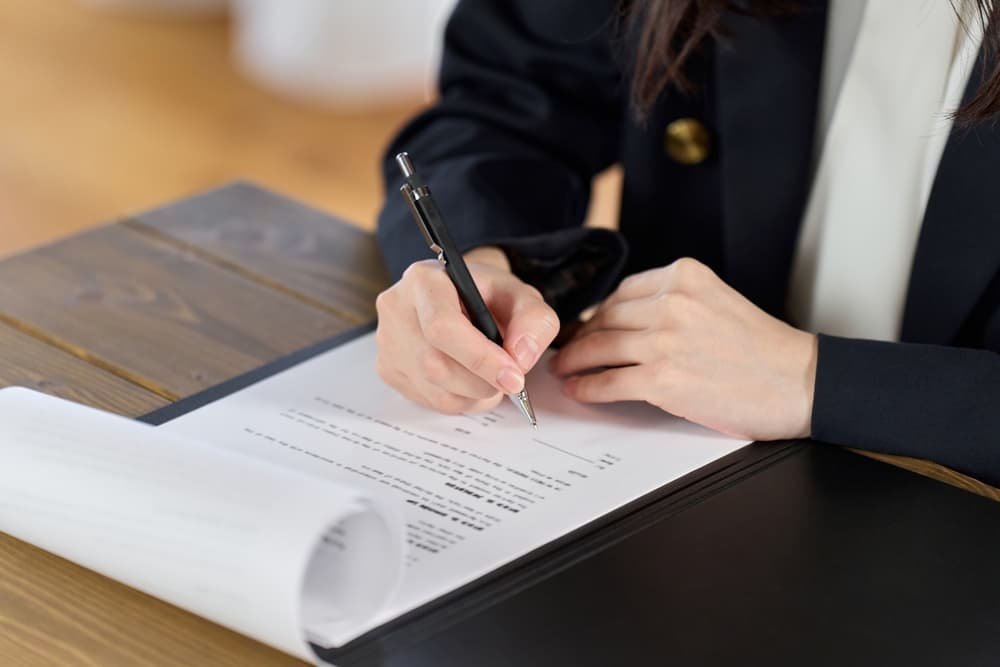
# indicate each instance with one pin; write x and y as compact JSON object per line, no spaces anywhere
{"x":106,"y":109}
{"x":143,"y":312}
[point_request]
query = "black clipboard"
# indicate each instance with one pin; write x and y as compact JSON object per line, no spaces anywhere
{"x":681,"y":575}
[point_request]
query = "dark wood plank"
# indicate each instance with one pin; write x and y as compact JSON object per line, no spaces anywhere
{"x":279,"y":242}
{"x":150,"y":313}
{"x":938,"y":472}
{"x":53,"y":612}
{"x":29,"y":362}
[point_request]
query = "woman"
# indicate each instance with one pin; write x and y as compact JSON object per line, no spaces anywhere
{"x":811,"y":244}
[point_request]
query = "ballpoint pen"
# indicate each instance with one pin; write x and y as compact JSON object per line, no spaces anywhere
{"x":428,"y":218}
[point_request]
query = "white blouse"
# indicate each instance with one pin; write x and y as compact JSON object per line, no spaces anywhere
{"x":893,"y":72}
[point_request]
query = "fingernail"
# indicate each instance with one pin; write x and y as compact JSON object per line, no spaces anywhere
{"x":569,"y":386}
{"x":526,"y":351}
{"x":510,"y":380}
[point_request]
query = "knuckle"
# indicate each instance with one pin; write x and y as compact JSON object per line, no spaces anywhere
{"x":386,"y":301}
{"x":688,"y":271}
{"x":629,"y":281}
{"x":541,"y":321}
{"x":411,"y":274}
{"x":382,"y":301}
{"x":547,"y":320}
{"x":686,"y":265}
{"x":419,"y":271}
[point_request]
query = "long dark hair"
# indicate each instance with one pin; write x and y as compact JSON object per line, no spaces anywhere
{"x":672,"y":29}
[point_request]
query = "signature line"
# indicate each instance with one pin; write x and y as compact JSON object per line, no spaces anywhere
{"x":540,"y":442}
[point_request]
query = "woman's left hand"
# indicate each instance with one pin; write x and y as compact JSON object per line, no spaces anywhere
{"x":681,"y":339}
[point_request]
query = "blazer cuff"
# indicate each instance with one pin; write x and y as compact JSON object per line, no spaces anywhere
{"x":926,"y":401}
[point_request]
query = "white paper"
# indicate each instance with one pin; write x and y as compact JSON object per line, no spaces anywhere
{"x":268,"y":552}
{"x":477,"y":491}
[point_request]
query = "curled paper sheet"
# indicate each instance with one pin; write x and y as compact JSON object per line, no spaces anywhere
{"x":273,"y":553}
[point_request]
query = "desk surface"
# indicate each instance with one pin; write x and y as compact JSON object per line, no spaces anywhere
{"x":143,"y":312}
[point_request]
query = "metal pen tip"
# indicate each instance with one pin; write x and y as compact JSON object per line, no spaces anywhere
{"x":523,"y":403}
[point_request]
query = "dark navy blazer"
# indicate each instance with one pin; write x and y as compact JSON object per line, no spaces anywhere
{"x":534,"y":102}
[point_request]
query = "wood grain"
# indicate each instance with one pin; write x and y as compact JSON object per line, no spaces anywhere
{"x":938,"y":472}
{"x":53,"y":612}
{"x":28,"y":362}
{"x":278,"y":242}
{"x":159,"y":317}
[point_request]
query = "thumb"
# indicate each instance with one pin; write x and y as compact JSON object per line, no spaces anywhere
{"x":529,"y":324}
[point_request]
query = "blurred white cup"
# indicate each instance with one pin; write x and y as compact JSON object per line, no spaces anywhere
{"x":346,"y":53}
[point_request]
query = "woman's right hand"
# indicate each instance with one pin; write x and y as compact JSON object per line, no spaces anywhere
{"x":431,"y":353}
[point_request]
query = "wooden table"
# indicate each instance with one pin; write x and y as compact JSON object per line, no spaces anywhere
{"x":143,"y":312}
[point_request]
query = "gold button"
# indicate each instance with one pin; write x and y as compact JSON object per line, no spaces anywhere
{"x":687,"y":141}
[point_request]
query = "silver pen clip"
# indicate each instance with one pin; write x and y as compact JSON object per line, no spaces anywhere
{"x":412,"y":196}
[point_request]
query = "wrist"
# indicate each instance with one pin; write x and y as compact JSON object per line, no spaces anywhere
{"x":807,"y":378}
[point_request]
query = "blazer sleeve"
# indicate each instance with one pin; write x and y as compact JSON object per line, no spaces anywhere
{"x":530,"y":110}
{"x":926,"y":401}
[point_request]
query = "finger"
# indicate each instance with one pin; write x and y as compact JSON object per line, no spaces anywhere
{"x":397,"y":328}
{"x":445,"y":373}
{"x":444,"y":401}
{"x":625,"y":316}
{"x":630,"y":383}
{"x":424,"y":394}
{"x":487,"y":403}
{"x":391,"y":375}
{"x":420,"y":393}
{"x":445,"y":327}
{"x":407,"y":388}
{"x":602,"y":349}
{"x":530,"y":325}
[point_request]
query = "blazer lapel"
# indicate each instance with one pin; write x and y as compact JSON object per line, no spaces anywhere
{"x":958,"y":251}
{"x":767,"y":85}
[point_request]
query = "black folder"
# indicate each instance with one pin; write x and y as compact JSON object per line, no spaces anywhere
{"x":792,"y":553}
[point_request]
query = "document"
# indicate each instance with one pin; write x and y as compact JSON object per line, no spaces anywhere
{"x":263,"y":550}
{"x":318,"y":504}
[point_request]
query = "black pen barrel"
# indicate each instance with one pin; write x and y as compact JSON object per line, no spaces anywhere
{"x":459,"y":273}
